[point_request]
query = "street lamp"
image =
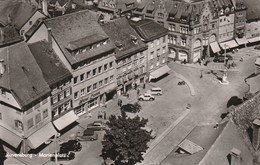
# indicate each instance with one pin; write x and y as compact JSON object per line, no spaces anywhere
{"x":224,"y":78}
{"x":55,"y":146}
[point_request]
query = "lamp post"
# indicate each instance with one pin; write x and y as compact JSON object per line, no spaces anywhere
{"x":55,"y":146}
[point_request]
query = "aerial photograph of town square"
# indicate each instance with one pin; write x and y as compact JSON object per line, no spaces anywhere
{"x":129,"y":82}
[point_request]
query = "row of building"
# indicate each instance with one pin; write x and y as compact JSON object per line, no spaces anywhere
{"x":201,"y":28}
{"x":69,"y":65}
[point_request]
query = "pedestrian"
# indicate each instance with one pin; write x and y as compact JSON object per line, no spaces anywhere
{"x":118,"y":103}
{"x":105,"y":115}
{"x":138,"y":91}
{"x":89,"y":114}
{"x":121,"y":102}
{"x":201,"y":76}
{"x":127,"y":95}
{"x":135,"y":86}
{"x":98,"y":115}
{"x":144,"y":86}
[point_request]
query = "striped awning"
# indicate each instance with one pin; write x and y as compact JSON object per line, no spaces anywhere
{"x":241,"y":41}
{"x":255,"y":39}
{"x":65,"y":120}
{"x":228,"y":44}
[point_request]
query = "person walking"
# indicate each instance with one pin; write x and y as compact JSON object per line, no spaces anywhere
{"x":118,"y":103}
{"x":105,"y":115}
{"x":138,"y":91}
{"x":144,"y":86}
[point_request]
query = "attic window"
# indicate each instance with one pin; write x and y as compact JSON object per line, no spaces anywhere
{"x":134,"y":39}
{"x":119,"y":45}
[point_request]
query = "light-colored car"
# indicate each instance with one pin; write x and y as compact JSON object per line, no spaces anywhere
{"x":155,"y":91}
{"x":87,"y":135}
{"x":146,"y":97}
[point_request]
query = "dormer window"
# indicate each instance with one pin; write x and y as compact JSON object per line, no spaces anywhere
{"x":232,"y":8}
{"x":221,"y":12}
{"x":119,"y":45}
{"x":134,"y":39}
{"x":227,"y":10}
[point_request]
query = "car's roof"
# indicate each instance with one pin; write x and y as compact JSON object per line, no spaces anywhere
{"x":156,"y":88}
{"x":88,"y":132}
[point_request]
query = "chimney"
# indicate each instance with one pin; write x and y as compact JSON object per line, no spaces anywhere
{"x":256,"y":134}
{"x":235,"y":156}
{"x":2,"y":67}
{"x":49,"y":37}
{"x":45,"y":7}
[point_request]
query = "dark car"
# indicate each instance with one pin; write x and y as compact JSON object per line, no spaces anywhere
{"x":87,"y":135}
{"x":257,"y":47}
{"x":63,"y":156}
{"x":221,"y":58}
{"x":97,"y":126}
{"x":71,"y":145}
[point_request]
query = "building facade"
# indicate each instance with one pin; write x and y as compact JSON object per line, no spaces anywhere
{"x":155,"y":37}
{"x":25,"y":106}
{"x":130,"y":54}
{"x":87,"y":52}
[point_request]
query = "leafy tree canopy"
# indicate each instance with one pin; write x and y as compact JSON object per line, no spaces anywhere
{"x":125,"y":141}
{"x":134,"y":108}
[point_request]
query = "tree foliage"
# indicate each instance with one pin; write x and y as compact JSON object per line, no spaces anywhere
{"x":134,"y":108}
{"x":125,"y":141}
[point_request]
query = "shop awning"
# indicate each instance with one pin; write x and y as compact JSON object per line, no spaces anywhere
{"x":159,"y":72}
{"x":42,"y":135}
{"x":229,"y":44}
{"x":65,"y":120}
{"x":241,"y":41}
{"x":255,"y":39}
{"x":10,"y":137}
{"x":190,"y":147}
{"x":215,"y":47}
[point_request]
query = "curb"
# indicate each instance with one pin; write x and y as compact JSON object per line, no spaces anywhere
{"x":166,"y":132}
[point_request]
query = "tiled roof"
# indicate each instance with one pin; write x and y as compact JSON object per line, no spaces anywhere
{"x":52,"y":68}
{"x":120,"y":5}
{"x":19,"y":12}
{"x":216,"y":143}
{"x":121,"y":32}
{"x":149,"y":30}
{"x":253,"y":10}
{"x":75,"y":26}
{"x":10,"y":36}
{"x":23,"y":77}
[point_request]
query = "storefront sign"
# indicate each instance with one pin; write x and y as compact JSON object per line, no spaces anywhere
{"x":84,"y":100}
{"x":94,"y":95}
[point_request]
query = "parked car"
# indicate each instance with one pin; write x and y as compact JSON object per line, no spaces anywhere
{"x":153,"y":133}
{"x":146,"y":97}
{"x":155,"y":91}
{"x":257,"y":47}
{"x":71,"y":145}
{"x":87,"y":135}
{"x":221,"y":58}
{"x":63,"y":156}
{"x":97,"y":126}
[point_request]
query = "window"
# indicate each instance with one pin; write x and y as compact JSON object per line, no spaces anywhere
{"x":111,"y":78}
{"x":151,"y":56}
{"x":82,"y":92}
{"x":76,"y":95}
{"x":82,"y":77}
{"x":67,"y":92}
{"x":151,"y":67}
{"x":29,"y":111}
{"x":129,"y":66}
{"x":151,"y":44}
{"x":163,"y":60}
{"x":101,"y":83}
{"x":30,"y":22}
{"x":75,"y":80}
{"x":172,"y":39}
{"x":88,"y":89}
{"x":66,"y":106}
{"x":0,"y":116}
{"x":141,"y":53}
{"x":18,"y":124}
{"x":157,"y":63}
{"x":111,"y":64}
{"x":158,"y":41}
{"x":105,"y":67}
{"x":61,"y":95}
{"x":88,"y":74}
{"x":183,"y":42}
{"x":106,"y":80}
{"x":94,"y":72}
{"x":37,"y":106}
{"x":164,"y":49}
{"x":45,"y":113}
{"x":100,"y":69}
{"x":54,"y":99}
{"x":95,"y":86}
{"x":158,"y":52}
{"x":30,"y":123}
{"x":184,"y":29}
{"x":142,"y":60}
{"x":37,"y":118}
{"x":172,"y":27}
{"x":55,"y":112}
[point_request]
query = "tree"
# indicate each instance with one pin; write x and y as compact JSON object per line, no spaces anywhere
{"x":136,"y":107}
{"x":125,"y":141}
{"x":234,"y":100}
{"x":2,"y":154}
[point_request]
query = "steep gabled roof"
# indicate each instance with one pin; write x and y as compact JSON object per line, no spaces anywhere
{"x":23,"y":77}
{"x":121,"y":32}
{"x":149,"y":30}
{"x":53,"y":69}
{"x":9,"y":35}
{"x":73,"y":27}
